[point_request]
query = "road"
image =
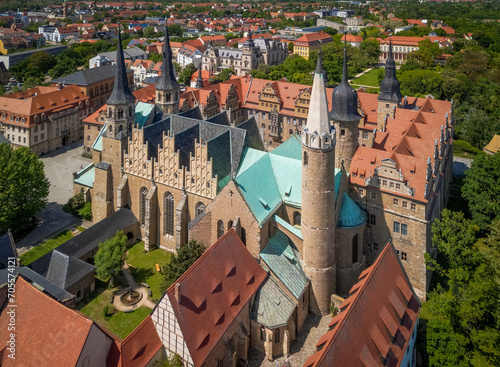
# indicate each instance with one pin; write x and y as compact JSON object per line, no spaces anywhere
{"x":59,"y":168}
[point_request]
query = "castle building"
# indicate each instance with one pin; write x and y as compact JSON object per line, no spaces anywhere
{"x":252,"y":54}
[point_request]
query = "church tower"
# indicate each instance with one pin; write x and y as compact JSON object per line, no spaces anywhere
{"x":318,"y":197}
{"x":199,"y":80}
{"x":120,"y":112}
{"x":390,"y":95}
{"x":167,"y":88}
{"x":248,"y":55}
{"x":345,"y":118}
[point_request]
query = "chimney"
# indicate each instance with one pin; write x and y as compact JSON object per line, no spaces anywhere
{"x":178,"y":292}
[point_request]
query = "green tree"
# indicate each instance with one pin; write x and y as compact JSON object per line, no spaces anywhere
{"x":370,"y":48}
{"x":186,"y":73}
{"x":110,"y":256}
{"x":444,"y":347}
{"x":155,"y":57}
{"x":223,"y":75}
{"x":173,"y":361}
{"x":481,"y":189}
{"x":175,"y":30}
{"x":290,"y":46}
{"x":23,"y":187}
{"x":149,"y":32}
{"x":180,"y":262}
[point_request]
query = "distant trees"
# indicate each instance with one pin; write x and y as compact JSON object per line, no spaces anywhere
{"x":186,"y":73}
{"x":23,"y":187}
{"x":223,"y":75}
{"x":110,"y":256}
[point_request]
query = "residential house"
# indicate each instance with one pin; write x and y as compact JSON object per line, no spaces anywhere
{"x":310,"y":42}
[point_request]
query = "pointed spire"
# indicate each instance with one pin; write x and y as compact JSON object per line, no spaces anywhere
{"x":199,"y":81}
{"x":345,"y":98}
{"x":319,"y":64}
{"x":121,"y":92}
{"x":167,"y":79}
{"x":389,"y":87}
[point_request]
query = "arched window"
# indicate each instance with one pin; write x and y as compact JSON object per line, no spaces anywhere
{"x":106,"y":87}
{"x":101,"y":89}
{"x":229,"y":225}
{"x":244,"y":236}
{"x":355,"y":249}
{"x":144,"y":194}
{"x":168,"y":207}
{"x":200,"y":208}
{"x":120,"y":128}
{"x":120,"y":113}
{"x":305,"y":161}
{"x":110,"y":129}
{"x":168,"y":97}
{"x":220,"y":228}
{"x":96,"y":91}
{"x":109,"y":112}
{"x":296,"y":219}
{"x":130,"y":111}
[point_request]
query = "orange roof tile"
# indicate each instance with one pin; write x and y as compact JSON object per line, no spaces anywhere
{"x":213,"y":291}
{"x":375,"y":323}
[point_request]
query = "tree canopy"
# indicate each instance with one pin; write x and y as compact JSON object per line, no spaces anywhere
{"x":186,"y":73}
{"x":23,"y":187}
{"x":111,"y":255}
{"x":180,"y":262}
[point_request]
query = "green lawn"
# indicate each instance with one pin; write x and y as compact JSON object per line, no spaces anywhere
{"x":29,"y":256}
{"x":143,"y":267}
{"x":121,"y":323}
{"x":370,"y":78}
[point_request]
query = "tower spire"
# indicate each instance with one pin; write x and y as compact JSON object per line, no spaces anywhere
{"x":389,"y":87}
{"x":345,"y":98}
{"x":167,"y":79}
{"x":199,"y":81}
{"x":121,"y":94}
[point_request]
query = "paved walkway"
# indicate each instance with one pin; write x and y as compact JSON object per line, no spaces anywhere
{"x":145,"y":301}
{"x":305,"y":344}
{"x":357,"y":76}
{"x":59,"y":168}
{"x":460,"y":165}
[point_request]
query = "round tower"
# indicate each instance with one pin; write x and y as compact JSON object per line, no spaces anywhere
{"x":318,"y":197}
{"x":167,"y":90}
{"x":345,"y":118}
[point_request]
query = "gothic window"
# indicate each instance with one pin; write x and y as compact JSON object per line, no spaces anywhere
{"x":120,"y":128}
{"x":143,"y":195}
{"x":305,"y":160}
{"x":106,"y":87}
{"x":110,"y":129}
{"x":168,"y":97}
{"x":130,"y":111}
{"x":355,"y":249}
{"x":229,"y":225}
{"x":96,"y":91}
{"x":120,"y":113}
{"x":277,"y":336}
{"x":101,"y":89}
{"x":200,"y":208}
{"x":109,"y":113}
{"x":168,"y":207}
{"x":220,"y":228}
{"x":296,"y":219}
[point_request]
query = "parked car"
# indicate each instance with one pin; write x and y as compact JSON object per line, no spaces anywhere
{"x":19,"y":84}
{"x":12,"y":83}
{"x":8,"y":88}
{"x":13,"y":79}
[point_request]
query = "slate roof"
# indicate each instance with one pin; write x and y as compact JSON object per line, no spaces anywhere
{"x":89,"y":76}
{"x":213,"y":291}
{"x":281,"y":256}
{"x":272,"y":307}
{"x":39,"y":282}
{"x":376,"y":322}
{"x":7,"y":250}
{"x":121,"y":94}
{"x":61,"y":269}
{"x":90,"y":239}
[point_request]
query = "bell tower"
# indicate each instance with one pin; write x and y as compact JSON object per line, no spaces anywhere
{"x":167,"y":89}
{"x":390,"y":94}
{"x":345,"y":118}
{"x":318,"y":197}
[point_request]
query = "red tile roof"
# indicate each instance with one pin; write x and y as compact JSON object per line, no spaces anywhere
{"x":213,"y":291}
{"x":376,"y":321}
{"x":140,"y":346}
{"x":47,"y":333}
{"x":313,"y":37}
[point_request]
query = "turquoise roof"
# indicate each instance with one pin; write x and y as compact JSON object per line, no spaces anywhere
{"x":268,"y":180}
{"x":350,"y":215}
{"x":281,"y":256}
{"x":86,"y":176}
{"x":142,"y":112}
{"x":272,"y":307}
{"x":296,"y":231}
{"x":98,"y":142}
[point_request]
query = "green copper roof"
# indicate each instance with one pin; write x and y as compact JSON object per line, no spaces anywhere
{"x":292,"y":148}
{"x":98,"y":142}
{"x":86,"y":176}
{"x":350,"y":215}
{"x":272,"y":307}
{"x":142,"y":112}
{"x":281,"y":256}
{"x":284,"y":223}
{"x":222,"y":182}
{"x":250,"y":156}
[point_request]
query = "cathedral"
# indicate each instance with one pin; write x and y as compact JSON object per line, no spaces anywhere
{"x":253,"y":54}
{"x":314,"y":205}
